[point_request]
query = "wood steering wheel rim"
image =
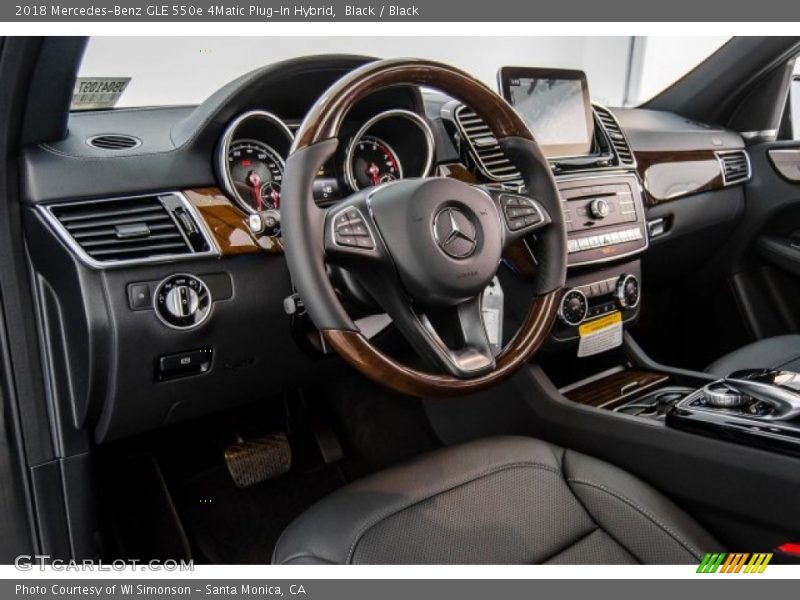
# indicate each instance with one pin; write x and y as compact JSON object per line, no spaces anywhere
{"x":320,"y":129}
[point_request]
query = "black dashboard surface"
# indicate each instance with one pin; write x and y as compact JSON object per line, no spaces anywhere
{"x":113,"y":388}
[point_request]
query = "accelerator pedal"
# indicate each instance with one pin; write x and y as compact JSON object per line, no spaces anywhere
{"x":257,"y":460}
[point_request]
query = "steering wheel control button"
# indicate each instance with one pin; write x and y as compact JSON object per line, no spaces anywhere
{"x":455,"y":232}
{"x":520,"y":211}
{"x":574,"y":308}
{"x":628,"y":291}
{"x":350,"y":230}
{"x":182,"y":301}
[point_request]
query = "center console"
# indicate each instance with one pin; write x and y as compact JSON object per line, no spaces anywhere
{"x":757,"y":406}
{"x":606,"y":228}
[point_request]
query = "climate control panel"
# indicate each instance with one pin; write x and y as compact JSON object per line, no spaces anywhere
{"x":590,"y":296}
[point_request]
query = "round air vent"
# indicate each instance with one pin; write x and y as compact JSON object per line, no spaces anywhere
{"x":114,"y":141}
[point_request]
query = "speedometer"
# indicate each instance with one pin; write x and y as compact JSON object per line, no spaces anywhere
{"x":371,"y":162}
{"x":256,"y":171}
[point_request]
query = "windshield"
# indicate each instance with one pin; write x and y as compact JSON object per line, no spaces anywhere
{"x":622,"y":71}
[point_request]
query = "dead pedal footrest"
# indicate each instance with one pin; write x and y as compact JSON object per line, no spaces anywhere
{"x":254,"y":461}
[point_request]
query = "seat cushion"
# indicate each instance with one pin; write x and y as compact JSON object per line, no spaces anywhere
{"x":507,"y":500}
{"x":780,"y":352}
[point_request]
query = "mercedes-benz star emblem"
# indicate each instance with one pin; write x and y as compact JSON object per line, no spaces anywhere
{"x":455,"y":233}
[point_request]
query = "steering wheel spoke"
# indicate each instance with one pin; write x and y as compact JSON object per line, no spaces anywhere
{"x":451,"y":339}
{"x":520,"y":215}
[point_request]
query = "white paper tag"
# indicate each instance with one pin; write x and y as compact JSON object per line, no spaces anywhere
{"x":491,"y":320}
{"x":600,"y":335}
{"x":93,"y":93}
{"x":492,"y":309}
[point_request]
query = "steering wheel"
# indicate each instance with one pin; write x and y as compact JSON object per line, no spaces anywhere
{"x":423,"y":246}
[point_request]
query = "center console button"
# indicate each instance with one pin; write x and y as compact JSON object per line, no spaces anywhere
{"x":574,"y":307}
{"x":599,"y":208}
{"x":628,"y":291}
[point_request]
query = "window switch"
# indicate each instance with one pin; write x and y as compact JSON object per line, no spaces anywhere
{"x":139,"y":297}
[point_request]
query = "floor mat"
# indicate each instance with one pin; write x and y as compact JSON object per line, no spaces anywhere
{"x":229,"y":525}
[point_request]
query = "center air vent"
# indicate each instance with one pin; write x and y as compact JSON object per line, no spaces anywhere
{"x":483,"y":146}
{"x":735,"y":166}
{"x":114,"y":141}
{"x":615,"y":135}
{"x":130,"y":230}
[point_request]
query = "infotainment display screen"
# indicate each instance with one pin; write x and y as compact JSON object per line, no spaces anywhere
{"x":555,"y":104}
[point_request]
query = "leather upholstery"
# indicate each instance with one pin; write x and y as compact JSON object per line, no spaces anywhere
{"x":781,"y":352}
{"x":508,"y":500}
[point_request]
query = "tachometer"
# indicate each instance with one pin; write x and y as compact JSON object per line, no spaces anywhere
{"x":256,"y":171}
{"x":372,"y":161}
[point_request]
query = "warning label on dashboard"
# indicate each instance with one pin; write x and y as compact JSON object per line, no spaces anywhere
{"x":600,"y":335}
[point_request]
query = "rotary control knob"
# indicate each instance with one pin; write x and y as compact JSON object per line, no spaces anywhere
{"x":574,"y":307}
{"x":599,"y":208}
{"x":182,"y":301}
{"x":628,"y":291}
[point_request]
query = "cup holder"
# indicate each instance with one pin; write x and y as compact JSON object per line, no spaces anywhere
{"x":654,"y":405}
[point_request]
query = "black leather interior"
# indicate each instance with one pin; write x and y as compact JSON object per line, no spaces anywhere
{"x":780,"y":352}
{"x":505,"y":500}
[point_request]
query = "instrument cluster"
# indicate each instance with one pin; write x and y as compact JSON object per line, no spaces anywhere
{"x":252,"y":153}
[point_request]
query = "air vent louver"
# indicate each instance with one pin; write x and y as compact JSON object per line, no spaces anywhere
{"x":130,"y":229}
{"x":735,"y":166}
{"x":114,"y":141}
{"x":484,"y":147}
{"x":615,"y":135}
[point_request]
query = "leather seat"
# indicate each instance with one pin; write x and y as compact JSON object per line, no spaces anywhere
{"x":509,"y":500}
{"x":780,"y":352}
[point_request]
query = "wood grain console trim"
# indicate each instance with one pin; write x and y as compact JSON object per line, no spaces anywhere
{"x":228,"y":224}
{"x":670,"y":175}
{"x":617,"y":387}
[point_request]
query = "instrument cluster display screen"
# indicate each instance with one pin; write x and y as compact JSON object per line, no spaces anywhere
{"x":555,"y":104}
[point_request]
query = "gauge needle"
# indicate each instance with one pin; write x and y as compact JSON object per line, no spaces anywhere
{"x":375,"y":173}
{"x":255,"y":180}
{"x":276,"y":198}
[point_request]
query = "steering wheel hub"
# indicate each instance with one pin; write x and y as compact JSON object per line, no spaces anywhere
{"x":445,"y":237}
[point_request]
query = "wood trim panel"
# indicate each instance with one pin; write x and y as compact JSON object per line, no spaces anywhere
{"x":673,"y":174}
{"x":617,"y":387}
{"x":459,"y":172}
{"x":228,"y":224}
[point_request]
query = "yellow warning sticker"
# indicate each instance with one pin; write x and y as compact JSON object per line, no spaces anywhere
{"x":603,"y":322}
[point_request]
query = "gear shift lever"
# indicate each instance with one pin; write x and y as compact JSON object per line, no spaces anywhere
{"x":778,"y":389}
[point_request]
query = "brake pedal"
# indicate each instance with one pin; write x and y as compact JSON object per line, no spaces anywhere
{"x":257,"y":460}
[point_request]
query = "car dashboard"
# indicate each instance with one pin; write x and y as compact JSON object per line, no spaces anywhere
{"x":154,"y":233}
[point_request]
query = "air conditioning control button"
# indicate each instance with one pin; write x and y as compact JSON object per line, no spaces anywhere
{"x":574,"y":307}
{"x":628,"y":291}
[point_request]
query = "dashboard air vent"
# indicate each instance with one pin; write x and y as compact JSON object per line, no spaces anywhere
{"x":615,"y":135}
{"x":735,"y":166}
{"x":484,"y":147}
{"x":114,"y":141}
{"x":125,"y":230}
